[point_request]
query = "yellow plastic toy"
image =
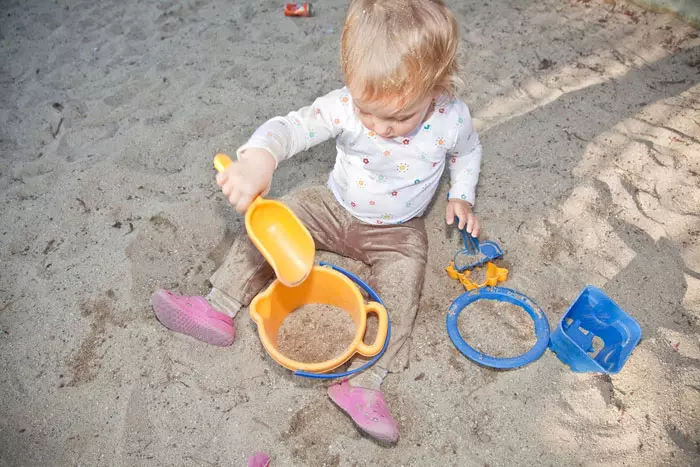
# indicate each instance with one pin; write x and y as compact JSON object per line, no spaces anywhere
{"x":278,"y":234}
{"x":494,"y":275}
{"x":325,"y":286}
{"x":289,"y":248}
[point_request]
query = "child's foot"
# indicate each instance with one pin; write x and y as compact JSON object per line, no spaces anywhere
{"x":368,"y":410}
{"x":193,"y":316}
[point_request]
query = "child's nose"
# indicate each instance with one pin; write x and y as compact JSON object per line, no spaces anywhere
{"x":382,"y":129}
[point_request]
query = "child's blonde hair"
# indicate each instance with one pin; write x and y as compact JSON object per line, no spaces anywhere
{"x":400,"y":50}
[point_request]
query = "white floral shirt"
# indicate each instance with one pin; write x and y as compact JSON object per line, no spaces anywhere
{"x":380,"y":180}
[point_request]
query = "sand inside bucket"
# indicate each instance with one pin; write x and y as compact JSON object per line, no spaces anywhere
{"x":315,"y":333}
{"x":495,"y":328}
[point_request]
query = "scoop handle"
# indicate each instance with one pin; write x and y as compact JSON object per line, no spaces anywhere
{"x":221,"y":162}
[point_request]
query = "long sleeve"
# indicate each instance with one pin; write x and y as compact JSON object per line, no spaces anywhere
{"x":300,"y":130}
{"x":464,"y":157}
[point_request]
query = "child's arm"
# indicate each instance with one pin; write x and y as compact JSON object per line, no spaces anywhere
{"x":278,"y":139}
{"x":465,"y":165}
{"x":283,"y":137}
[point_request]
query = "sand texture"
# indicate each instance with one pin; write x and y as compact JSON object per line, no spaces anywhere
{"x":495,"y":328}
{"x":110,"y":115}
{"x":315,"y":333}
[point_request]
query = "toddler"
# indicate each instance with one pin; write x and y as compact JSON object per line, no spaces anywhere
{"x":397,"y":123}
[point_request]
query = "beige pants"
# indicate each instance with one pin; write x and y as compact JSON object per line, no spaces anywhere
{"x":396,"y":255}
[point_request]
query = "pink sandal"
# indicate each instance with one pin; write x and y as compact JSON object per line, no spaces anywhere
{"x":367,"y":408}
{"x":259,"y":459}
{"x":193,"y":316}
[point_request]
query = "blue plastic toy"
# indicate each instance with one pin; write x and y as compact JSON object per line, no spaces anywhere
{"x":595,"y":315}
{"x":505,"y":295}
{"x":472,"y":247}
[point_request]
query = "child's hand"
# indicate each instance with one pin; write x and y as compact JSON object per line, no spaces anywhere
{"x":463,"y":211}
{"x":247,"y":178}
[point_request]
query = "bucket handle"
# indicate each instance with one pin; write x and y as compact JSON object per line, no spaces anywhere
{"x":374,"y":297}
{"x":374,"y":348}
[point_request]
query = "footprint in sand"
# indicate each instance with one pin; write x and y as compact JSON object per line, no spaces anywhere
{"x":82,"y":143}
{"x":172,"y":249}
{"x":313,"y":429}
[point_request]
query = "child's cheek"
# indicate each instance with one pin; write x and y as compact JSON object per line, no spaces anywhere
{"x":365,"y":121}
{"x":410,"y":126}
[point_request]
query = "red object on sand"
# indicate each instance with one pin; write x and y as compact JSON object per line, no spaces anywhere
{"x":297,"y":9}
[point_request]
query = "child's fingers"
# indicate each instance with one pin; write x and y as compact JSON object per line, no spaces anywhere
{"x":234,"y":196}
{"x":227,"y":189}
{"x":462,"y":222}
{"x":450,"y":214}
{"x":243,"y":202}
{"x":477,"y":227}
{"x":463,"y":217}
{"x":470,"y":224}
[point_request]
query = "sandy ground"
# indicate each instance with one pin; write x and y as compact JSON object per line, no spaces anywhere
{"x":110,"y":114}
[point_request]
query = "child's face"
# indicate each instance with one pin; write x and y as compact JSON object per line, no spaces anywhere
{"x":389,"y":121}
